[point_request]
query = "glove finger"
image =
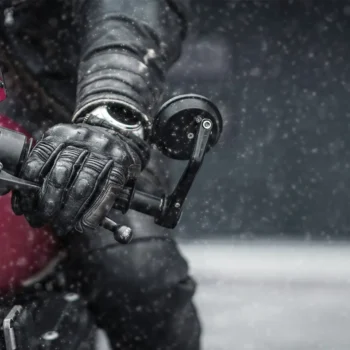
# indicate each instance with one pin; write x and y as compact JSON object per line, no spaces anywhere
{"x":40,"y":160}
{"x":35,"y":169}
{"x":81,"y":192}
{"x":57,"y":181}
{"x":105,"y":199}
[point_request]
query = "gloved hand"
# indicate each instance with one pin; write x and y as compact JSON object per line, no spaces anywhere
{"x":81,"y":169}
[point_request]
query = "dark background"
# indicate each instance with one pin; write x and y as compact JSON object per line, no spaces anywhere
{"x":280,"y":73}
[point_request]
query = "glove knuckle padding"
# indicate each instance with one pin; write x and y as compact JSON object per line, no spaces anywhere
{"x":40,"y":160}
{"x":59,"y":175}
{"x":32,"y":169}
{"x":58,"y":180}
{"x":70,"y":158}
{"x":35,"y":169}
{"x":87,"y":178}
{"x":86,"y":185}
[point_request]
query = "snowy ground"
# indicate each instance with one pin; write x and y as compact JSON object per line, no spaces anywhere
{"x":268,"y":295}
{"x":272,"y":295}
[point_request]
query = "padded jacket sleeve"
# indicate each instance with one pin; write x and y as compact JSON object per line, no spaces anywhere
{"x":127,"y":46}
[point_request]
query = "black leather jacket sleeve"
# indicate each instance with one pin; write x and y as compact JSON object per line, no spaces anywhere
{"x":127,"y":46}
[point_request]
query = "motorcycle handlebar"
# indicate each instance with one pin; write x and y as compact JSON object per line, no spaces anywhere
{"x":15,"y":147}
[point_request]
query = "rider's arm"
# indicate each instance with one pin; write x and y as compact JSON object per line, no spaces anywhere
{"x":127,"y":46}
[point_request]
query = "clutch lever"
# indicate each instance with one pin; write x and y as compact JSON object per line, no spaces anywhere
{"x":122,"y":234}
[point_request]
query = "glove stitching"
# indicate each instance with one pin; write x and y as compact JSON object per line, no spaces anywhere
{"x":48,"y":164}
{"x":80,"y":161}
{"x":102,"y":175}
{"x":99,"y":200}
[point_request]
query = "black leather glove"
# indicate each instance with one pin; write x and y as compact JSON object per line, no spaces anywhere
{"x":81,"y":169}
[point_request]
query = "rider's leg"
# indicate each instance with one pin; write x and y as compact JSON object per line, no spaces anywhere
{"x":141,"y":293}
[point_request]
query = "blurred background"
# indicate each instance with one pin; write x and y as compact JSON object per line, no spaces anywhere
{"x":266,"y":225}
{"x":280,"y":72}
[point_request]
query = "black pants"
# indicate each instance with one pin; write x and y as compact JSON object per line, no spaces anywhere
{"x":140,"y":293}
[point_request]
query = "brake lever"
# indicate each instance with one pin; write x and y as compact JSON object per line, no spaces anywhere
{"x":173,"y":204}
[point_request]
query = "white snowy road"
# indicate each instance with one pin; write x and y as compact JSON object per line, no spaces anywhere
{"x":269,"y":295}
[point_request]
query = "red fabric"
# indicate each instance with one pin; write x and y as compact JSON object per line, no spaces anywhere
{"x":2,"y":94}
{"x":2,"y":89}
{"x":23,"y":250}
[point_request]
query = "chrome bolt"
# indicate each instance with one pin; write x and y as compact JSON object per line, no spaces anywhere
{"x":52,"y":335}
{"x":123,"y":235}
{"x":207,"y":124}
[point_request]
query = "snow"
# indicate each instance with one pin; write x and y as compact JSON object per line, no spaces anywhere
{"x":272,"y":295}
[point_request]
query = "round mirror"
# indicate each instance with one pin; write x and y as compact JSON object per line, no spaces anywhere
{"x":176,"y":124}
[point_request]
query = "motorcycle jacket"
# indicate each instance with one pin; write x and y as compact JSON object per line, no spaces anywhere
{"x":73,"y":55}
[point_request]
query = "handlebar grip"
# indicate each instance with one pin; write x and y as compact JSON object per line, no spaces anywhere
{"x":14,"y":147}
